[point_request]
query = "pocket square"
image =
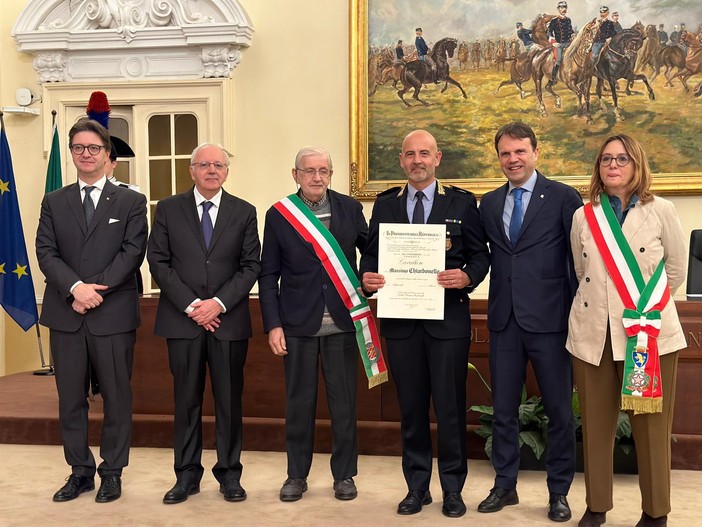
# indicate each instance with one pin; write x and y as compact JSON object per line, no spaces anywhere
{"x":113,"y":220}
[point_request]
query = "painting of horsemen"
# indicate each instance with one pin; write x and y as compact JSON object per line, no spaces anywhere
{"x":576,"y":71}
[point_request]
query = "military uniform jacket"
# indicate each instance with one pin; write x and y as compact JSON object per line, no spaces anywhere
{"x":466,"y":249}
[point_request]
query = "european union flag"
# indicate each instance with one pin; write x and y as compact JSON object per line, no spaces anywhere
{"x":16,"y":287}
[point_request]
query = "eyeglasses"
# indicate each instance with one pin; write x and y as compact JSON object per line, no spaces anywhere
{"x":93,"y":150}
{"x":622,"y":160}
{"x":309,"y":172}
{"x":204,"y":165}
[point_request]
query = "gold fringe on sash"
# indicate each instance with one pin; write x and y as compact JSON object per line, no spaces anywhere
{"x":377,"y":380}
{"x":642,"y":405}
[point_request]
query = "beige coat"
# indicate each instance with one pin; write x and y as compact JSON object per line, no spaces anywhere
{"x":653,"y":230}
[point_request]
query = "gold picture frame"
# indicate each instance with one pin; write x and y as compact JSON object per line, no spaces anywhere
{"x":364,"y":187}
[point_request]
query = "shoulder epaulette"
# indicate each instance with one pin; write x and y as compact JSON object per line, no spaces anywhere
{"x":389,"y":191}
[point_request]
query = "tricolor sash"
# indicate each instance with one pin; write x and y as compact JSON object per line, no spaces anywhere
{"x":642,"y":390}
{"x":345,"y":281}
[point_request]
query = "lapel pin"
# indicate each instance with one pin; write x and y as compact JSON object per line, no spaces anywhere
{"x":542,"y":196}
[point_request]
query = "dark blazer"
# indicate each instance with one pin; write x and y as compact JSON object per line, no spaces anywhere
{"x":535,"y":279}
{"x":466,"y":249}
{"x":185,"y":269}
{"x":109,"y":253}
{"x":298,"y":304}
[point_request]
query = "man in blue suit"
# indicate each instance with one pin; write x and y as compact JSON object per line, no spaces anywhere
{"x":532,"y":283}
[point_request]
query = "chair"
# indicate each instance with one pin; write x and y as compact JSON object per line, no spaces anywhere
{"x":694,"y":268}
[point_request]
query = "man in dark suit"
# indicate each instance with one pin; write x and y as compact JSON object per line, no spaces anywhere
{"x":204,"y":254}
{"x":307,"y":322}
{"x":532,"y":284}
{"x":90,"y":242}
{"x":429,"y":358}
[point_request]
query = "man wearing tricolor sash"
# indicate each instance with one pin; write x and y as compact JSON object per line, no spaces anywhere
{"x":624,"y":332}
{"x":313,"y":314}
{"x":429,"y":358}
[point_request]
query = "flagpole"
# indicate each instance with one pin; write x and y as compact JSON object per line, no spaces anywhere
{"x":50,"y":369}
{"x":44,"y":370}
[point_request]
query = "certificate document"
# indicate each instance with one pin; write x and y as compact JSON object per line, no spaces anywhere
{"x":410,"y":257}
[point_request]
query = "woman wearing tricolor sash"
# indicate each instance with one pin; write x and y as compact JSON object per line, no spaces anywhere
{"x":624,"y":332}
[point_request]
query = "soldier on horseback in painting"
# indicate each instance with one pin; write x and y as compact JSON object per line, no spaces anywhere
{"x":615,"y":21}
{"x":524,"y":35}
{"x":423,"y":52}
{"x":662,"y":35}
{"x":607,"y":31}
{"x":399,"y":51}
{"x":560,"y":29}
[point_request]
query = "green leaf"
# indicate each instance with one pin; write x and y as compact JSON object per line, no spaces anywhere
{"x":623,"y":425}
{"x":488,"y":447}
{"x":535,"y":442}
{"x":483,"y":409}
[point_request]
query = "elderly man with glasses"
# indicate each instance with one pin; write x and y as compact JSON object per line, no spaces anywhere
{"x":307,"y":320}
{"x":204,"y":254}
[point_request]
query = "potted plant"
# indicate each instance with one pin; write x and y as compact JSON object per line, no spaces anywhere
{"x":533,"y":427}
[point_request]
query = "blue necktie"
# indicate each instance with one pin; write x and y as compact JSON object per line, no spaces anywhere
{"x":88,"y":205}
{"x":515,"y":222}
{"x":418,"y":213}
{"x":206,"y":221}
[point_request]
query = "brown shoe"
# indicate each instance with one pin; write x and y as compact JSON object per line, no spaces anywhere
{"x":650,"y":521}
{"x":592,"y":519}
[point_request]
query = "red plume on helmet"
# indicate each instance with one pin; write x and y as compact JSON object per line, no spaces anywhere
{"x":99,"y":108}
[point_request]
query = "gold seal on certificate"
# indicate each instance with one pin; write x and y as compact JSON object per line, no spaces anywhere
{"x":410,"y":257}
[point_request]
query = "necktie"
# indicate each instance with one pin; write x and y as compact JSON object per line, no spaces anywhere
{"x":418,"y":213}
{"x":206,"y":223}
{"x":515,"y":222}
{"x":88,"y":205}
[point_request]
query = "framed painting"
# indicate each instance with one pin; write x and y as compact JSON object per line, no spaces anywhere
{"x":476,"y":82}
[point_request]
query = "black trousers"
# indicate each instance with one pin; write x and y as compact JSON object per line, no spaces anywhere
{"x":188,"y":359}
{"x":339,"y":358}
{"x":510,"y":349}
{"x":112,"y":357}
{"x":428,"y":369}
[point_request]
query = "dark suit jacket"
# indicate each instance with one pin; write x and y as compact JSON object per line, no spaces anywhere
{"x":457,"y":209}
{"x":109,"y":253}
{"x":185,"y":269}
{"x":298,"y":304}
{"x":535,"y":279}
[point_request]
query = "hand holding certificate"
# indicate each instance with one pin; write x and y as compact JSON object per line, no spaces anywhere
{"x":410,"y":256}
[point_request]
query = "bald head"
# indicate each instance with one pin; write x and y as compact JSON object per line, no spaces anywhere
{"x":419,"y":158}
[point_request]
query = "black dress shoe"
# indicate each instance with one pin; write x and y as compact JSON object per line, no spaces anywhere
{"x":345,"y":489}
{"x":453,"y":505}
{"x":180,"y":492}
{"x":292,"y":489}
{"x":558,"y":508}
{"x":592,"y":519}
{"x":497,"y":499}
{"x":650,"y":521}
{"x":413,"y":502}
{"x":232,"y":490}
{"x":110,"y":489}
{"x":74,"y":487}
